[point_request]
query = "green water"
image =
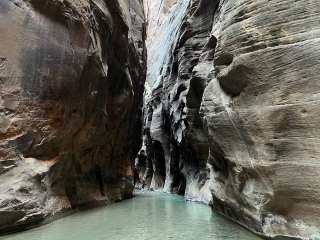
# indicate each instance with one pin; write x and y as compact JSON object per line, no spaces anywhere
{"x":149,"y":216}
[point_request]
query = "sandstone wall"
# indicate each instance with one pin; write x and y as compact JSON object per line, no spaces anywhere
{"x":235,"y":110}
{"x":71,"y":86}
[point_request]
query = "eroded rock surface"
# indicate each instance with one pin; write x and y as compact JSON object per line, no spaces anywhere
{"x":71,"y":85}
{"x":234,"y":112}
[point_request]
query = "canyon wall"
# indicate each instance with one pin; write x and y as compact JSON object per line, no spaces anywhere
{"x":231,"y":110}
{"x":72,"y":76}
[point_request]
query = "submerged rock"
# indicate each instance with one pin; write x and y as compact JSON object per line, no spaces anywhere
{"x":71,"y":86}
{"x":234,"y":111}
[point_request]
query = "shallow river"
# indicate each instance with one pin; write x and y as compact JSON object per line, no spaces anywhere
{"x":149,"y":216}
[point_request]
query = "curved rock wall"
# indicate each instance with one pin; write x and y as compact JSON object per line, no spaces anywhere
{"x":173,"y":125}
{"x":234,"y":111}
{"x":71,"y":86}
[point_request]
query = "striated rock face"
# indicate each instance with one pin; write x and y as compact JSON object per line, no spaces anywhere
{"x":232,"y":119}
{"x":173,"y":125}
{"x":71,"y":86}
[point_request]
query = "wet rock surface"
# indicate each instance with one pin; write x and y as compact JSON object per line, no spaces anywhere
{"x":71,"y":85}
{"x":231,"y":109}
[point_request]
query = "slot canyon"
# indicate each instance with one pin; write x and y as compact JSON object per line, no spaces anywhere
{"x":212,"y":100}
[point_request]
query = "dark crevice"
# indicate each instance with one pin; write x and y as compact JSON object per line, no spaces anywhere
{"x":158,"y":159}
{"x":99,"y":178}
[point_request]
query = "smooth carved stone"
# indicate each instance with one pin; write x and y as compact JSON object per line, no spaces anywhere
{"x":71,"y":84}
{"x":232,"y":97}
{"x":172,"y":117}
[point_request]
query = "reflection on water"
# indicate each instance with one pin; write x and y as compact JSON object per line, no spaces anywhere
{"x":149,"y":216}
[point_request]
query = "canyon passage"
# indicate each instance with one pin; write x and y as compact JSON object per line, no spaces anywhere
{"x":213,"y":100}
